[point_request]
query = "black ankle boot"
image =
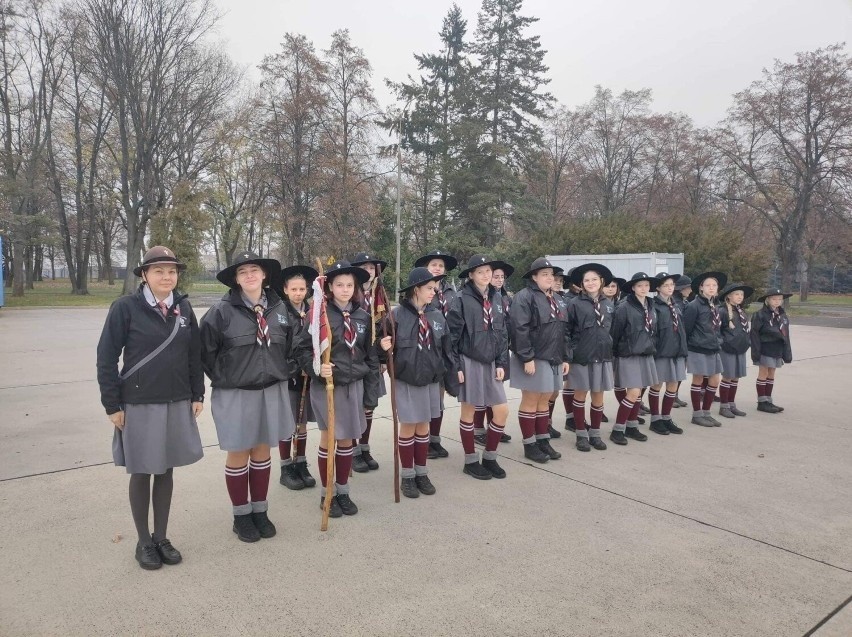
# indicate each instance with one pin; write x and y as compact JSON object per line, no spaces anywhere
{"x":597,"y":443}
{"x":582,"y":444}
{"x":544,"y":445}
{"x":533,"y":452}
{"x":476,"y":470}
{"x":409,"y":488}
{"x":290,"y":477}
{"x":346,"y":504}
{"x":659,"y":427}
{"x":372,"y":465}
{"x":333,"y":507}
{"x":263,"y":524}
{"x":245,"y":529}
{"x":424,"y":485}
{"x":302,"y":471}
{"x":359,"y":465}
{"x":635,"y":434}
{"x":494,"y":469}
{"x":553,"y":433}
{"x":618,"y":437}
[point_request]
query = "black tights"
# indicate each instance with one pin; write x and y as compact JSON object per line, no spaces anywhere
{"x":141,"y":496}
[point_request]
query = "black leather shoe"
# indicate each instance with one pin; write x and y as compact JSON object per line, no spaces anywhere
{"x":148,"y":556}
{"x":659,"y":427}
{"x":372,"y":465}
{"x":597,"y":443}
{"x":679,"y":403}
{"x":440,"y":452}
{"x":302,"y":470}
{"x":553,"y":433}
{"x":737,"y":412}
{"x":479,"y":439}
{"x":359,"y":465}
{"x":409,"y":488}
{"x":583,"y":444}
{"x":544,"y":445}
{"x":673,"y":428}
{"x":494,"y":469}
{"x":263,"y":525}
{"x":643,"y":410}
{"x":533,"y":452}
{"x":333,"y":507}
{"x":604,"y":419}
{"x":476,"y":470}
{"x":777,"y":407}
{"x":424,"y":485}
{"x":290,"y":478}
{"x":569,"y":423}
{"x":635,"y":434}
{"x":346,"y":504}
{"x":768,"y":408}
{"x":505,"y":438}
{"x":618,"y":437}
{"x":640,"y":420}
{"x":168,"y":554}
{"x":245,"y":529}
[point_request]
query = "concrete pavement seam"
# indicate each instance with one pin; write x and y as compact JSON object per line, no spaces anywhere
{"x":828,"y":617}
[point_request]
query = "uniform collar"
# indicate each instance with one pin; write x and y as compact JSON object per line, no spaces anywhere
{"x":152,"y":300}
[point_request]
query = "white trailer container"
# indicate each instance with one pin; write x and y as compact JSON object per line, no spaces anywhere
{"x":624,"y":265}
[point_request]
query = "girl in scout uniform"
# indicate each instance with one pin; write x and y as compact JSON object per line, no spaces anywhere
{"x":736,"y":341}
{"x":770,"y":346}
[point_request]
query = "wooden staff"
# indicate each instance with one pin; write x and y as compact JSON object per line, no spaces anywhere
{"x":329,"y":397}
{"x":300,"y":415}
{"x":390,"y":329}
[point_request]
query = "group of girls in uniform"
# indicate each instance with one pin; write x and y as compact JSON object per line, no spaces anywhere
{"x":581,"y":333}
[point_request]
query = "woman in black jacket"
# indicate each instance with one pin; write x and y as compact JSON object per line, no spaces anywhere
{"x":589,"y":322}
{"x":499,"y":274}
{"x":540,"y":344}
{"x":735,"y":343}
{"x":633,"y":343}
{"x":154,"y":401}
{"x":247,"y":342}
{"x":480,"y":354}
{"x":705,"y":320}
{"x":421,"y":354}
{"x":295,"y":288}
{"x":354,"y":367}
{"x":770,"y":346}
{"x":670,"y":358}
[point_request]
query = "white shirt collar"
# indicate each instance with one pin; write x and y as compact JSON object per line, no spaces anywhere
{"x":152,"y":300}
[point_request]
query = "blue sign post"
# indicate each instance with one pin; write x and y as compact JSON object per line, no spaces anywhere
{"x":2,"y":268}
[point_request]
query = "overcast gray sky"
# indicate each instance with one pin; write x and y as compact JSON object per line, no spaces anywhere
{"x":693,"y":54}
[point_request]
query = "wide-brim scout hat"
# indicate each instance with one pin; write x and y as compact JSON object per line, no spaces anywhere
{"x":344,"y":267}
{"x":305,"y":271}
{"x":683,"y":282}
{"x":540,"y":264}
{"x":477,"y":261}
{"x":272,"y":267}
{"x":576,"y":274}
{"x":618,"y":281}
{"x":450,"y":262}
{"x":774,"y":292}
{"x":721,"y":279}
{"x":161,"y":255}
{"x":627,"y":286}
{"x":365,"y":257}
{"x":508,"y":270}
{"x":419,"y":276}
{"x":662,"y":276}
{"x":733,"y":287}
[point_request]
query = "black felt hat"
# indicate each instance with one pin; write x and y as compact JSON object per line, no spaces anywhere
{"x":344,"y":267}
{"x":577,"y":273}
{"x":508,"y":270}
{"x":365,"y":257}
{"x":774,"y":292}
{"x":662,"y":276}
{"x":272,"y":267}
{"x":683,"y":282}
{"x":450,"y":262}
{"x":477,"y":261}
{"x":721,"y":279}
{"x":161,"y":255}
{"x":540,"y":264}
{"x":733,"y":287}
{"x":305,"y":271}
{"x":627,"y":286}
{"x":419,"y":276}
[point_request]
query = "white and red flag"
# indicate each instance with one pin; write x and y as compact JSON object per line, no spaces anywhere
{"x":319,"y":323}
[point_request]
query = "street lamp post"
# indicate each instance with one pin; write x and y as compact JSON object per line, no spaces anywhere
{"x":399,"y":191}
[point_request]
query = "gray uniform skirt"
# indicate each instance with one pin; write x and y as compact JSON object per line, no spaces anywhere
{"x":246,"y":418}
{"x":670,"y":370}
{"x":704,"y":364}
{"x":635,"y":371}
{"x":771,"y":361}
{"x":307,"y":409}
{"x":417,"y":404}
{"x":547,"y":377}
{"x":157,"y":437}
{"x":480,"y":387}
{"x":593,"y":377}
{"x":733,"y":365}
{"x":349,"y":419}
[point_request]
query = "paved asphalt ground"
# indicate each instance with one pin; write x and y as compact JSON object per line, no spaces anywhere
{"x":738,"y":530}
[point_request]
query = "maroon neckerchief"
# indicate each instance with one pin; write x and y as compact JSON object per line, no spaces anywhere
{"x":743,"y":319}
{"x":487,"y":313}
{"x":596,"y":304}
{"x":554,"y":307}
{"x":648,"y":326}
{"x":714,"y":312}
{"x":442,"y":302}
{"x":424,"y":337}
{"x":675,"y":319}
{"x":262,"y":326}
{"x":779,"y":321}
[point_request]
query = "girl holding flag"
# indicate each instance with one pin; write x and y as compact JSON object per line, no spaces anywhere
{"x":354,"y":367}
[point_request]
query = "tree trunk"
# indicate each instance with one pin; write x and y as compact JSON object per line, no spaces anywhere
{"x":804,"y":280}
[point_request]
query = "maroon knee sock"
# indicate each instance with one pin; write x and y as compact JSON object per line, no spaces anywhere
{"x":489,"y":415}
{"x":421,"y":449}
{"x":322,"y":465}
{"x":342,"y":464}
{"x":542,"y":423}
{"x":695,"y":394}
{"x":479,"y":418}
{"x":365,"y":437}
{"x":550,"y":405}
{"x":668,"y":403}
{"x":466,"y":432}
{"x":732,"y":391}
{"x":259,"y":479}
{"x":770,"y":385}
{"x":495,"y":432}
{"x":654,"y":401}
{"x":435,"y":425}
{"x":709,"y":394}
{"x":634,"y":412}
{"x":301,"y":443}
{"x":579,"y":410}
{"x":620,"y":393}
{"x":567,"y":399}
{"x":596,"y":416}
{"x":285,"y":448}
{"x":761,"y":388}
{"x":237,"y":481}
{"x":406,"y":452}
{"x":624,"y":409}
{"x":527,"y":419}
{"x":723,"y":393}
